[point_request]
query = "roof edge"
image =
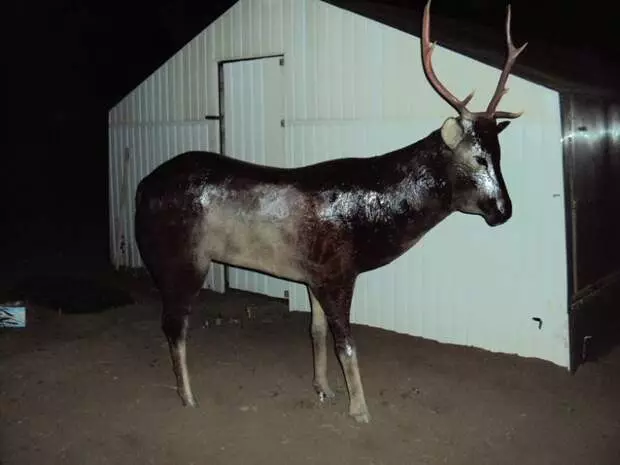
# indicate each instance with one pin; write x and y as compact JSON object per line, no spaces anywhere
{"x":568,"y":72}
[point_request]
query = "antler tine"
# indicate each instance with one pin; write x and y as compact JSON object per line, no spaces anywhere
{"x":427,"y":52}
{"x":501,"y":90}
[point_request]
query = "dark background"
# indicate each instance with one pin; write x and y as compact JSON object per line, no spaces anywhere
{"x":68,"y":62}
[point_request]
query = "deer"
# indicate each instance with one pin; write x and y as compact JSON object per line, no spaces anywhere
{"x":321,"y":224}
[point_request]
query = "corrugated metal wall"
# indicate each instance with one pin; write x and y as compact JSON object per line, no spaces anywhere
{"x":354,"y":87}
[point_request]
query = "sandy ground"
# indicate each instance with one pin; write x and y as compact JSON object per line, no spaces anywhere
{"x":98,"y":389}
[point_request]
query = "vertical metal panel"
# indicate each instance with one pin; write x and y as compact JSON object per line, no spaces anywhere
{"x":592,"y":162}
{"x":591,"y":150}
{"x":354,"y":87}
{"x":613,"y":138}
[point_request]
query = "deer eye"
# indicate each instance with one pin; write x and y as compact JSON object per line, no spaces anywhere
{"x":482,"y":161}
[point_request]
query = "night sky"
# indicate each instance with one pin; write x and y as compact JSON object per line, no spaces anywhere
{"x":68,"y":62}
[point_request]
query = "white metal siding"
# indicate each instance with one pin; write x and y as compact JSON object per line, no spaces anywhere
{"x":354,"y":87}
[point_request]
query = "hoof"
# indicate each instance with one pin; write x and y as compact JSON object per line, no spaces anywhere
{"x":324,"y":392}
{"x":188,"y":401}
{"x":362,"y":417}
{"x":326,"y":395}
{"x":359,"y":412}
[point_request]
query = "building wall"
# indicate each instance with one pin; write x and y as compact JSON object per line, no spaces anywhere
{"x":592,"y":155}
{"x":356,"y":88}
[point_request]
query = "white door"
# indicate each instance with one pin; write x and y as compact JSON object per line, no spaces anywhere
{"x":253,"y":131}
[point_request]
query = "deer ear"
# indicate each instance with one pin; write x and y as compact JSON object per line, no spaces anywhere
{"x":501,"y":126}
{"x":452,"y":132}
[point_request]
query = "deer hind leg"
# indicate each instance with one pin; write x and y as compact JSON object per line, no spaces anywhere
{"x":179,"y":292}
{"x":336,"y":299}
{"x":178,"y":264}
{"x":319,"y":349}
{"x":175,"y":321}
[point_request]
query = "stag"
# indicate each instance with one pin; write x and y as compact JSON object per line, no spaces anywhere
{"x":322,"y":224}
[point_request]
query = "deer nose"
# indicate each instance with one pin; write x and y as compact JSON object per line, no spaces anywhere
{"x":501,"y":206}
{"x":504,"y":207}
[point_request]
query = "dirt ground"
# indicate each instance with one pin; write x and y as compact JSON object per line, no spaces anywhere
{"x":98,"y":389}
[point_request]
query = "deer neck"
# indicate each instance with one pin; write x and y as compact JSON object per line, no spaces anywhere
{"x":398,"y":213}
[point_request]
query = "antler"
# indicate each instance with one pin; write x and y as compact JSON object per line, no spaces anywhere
{"x":427,"y":52}
{"x":501,"y":89}
{"x":461,"y":105}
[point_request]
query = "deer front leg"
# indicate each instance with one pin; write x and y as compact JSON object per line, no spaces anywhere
{"x":335,"y":299}
{"x":319,"y":349}
{"x":357,"y":402}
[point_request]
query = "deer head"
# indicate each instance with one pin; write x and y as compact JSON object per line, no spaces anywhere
{"x":472,"y":139}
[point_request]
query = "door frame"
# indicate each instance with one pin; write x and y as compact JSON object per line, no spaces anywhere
{"x":221,"y":108}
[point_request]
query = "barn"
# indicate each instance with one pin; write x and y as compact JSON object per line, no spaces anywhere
{"x":293,"y":83}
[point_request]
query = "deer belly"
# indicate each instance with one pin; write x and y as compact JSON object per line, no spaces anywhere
{"x":255,"y":243}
